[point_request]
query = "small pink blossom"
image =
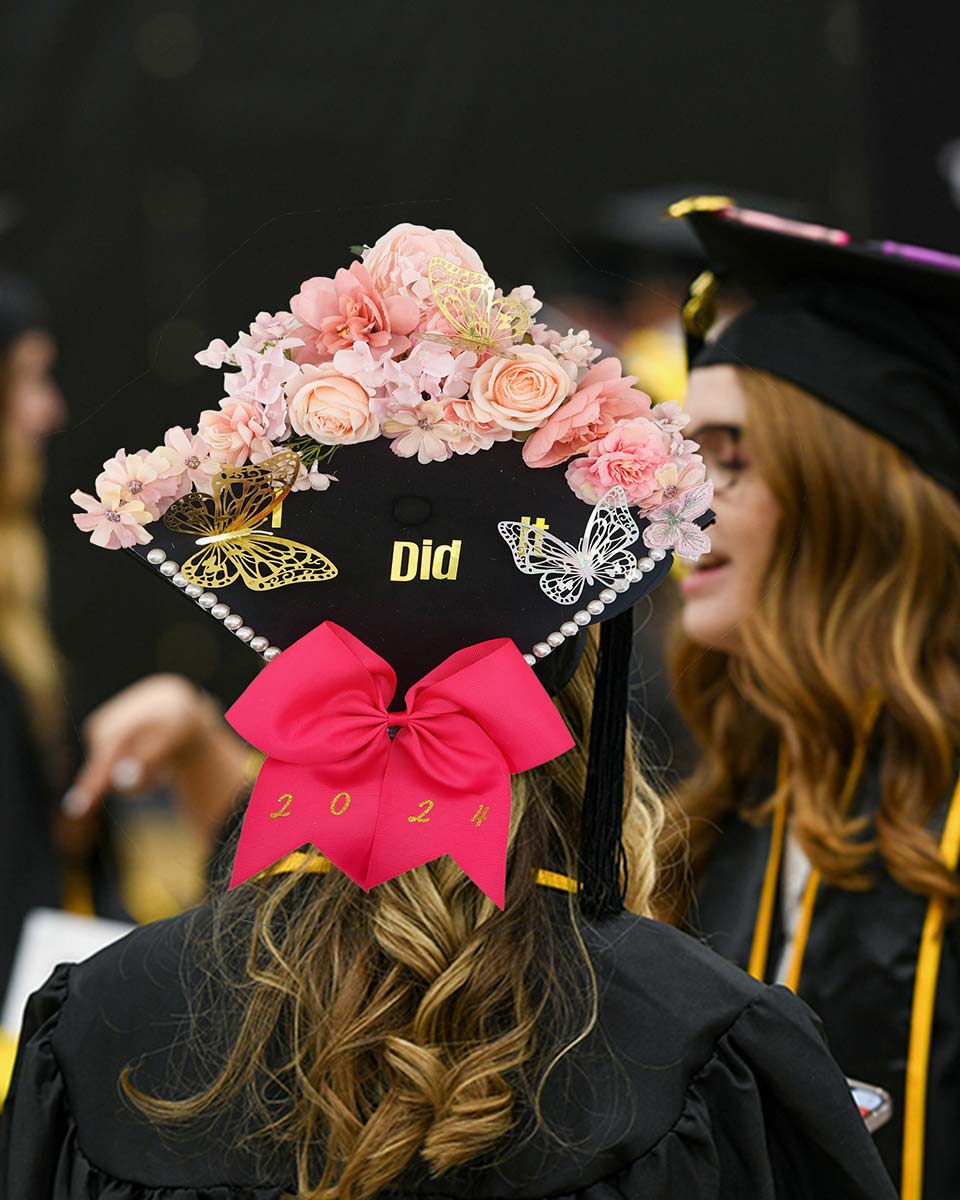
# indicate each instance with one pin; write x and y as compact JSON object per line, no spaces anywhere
{"x":670,"y":416}
{"x":360,"y":364}
{"x":424,"y":375}
{"x":261,"y":379}
{"x":336,"y":313}
{"x":139,"y":477}
{"x":628,"y":456}
{"x":604,"y":397}
{"x":672,"y":524}
{"x":191,"y":454}
{"x":215,"y":355}
{"x":675,"y":478}
{"x":313,"y":480}
{"x":234,"y":431}
{"x":272,"y":327}
{"x":422,"y":431}
{"x":480,"y":432}
{"x":525,"y":295}
{"x":114,"y":521}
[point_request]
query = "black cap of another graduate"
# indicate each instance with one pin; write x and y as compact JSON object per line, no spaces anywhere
{"x":871,"y":328}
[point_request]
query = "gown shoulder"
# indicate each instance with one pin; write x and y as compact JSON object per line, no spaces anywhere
{"x":695,"y":1082}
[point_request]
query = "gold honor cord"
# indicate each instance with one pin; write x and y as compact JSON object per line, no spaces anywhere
{"x":316,"y":865}
{"x":921,"y":1018}
{"x":760,"y":947}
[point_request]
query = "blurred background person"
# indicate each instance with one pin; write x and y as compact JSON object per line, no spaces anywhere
{"x":819,"y":660}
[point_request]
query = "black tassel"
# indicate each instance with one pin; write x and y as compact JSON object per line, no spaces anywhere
{"x":602,"y":859}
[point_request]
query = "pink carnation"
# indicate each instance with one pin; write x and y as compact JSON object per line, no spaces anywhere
{"x":605,"y":397}
{"x":114,"y":521}
{"x":234,"y":431}
{"x":335,"y":313}
{"x":398,"y":261}
{"x":629,"y":455}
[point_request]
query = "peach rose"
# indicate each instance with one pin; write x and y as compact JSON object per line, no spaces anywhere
{"x":521,"y":392}
{"x":397,"y":262}
{"x":330,"y":407}
{"x":630,"y":455}
{"x":605,"y":396}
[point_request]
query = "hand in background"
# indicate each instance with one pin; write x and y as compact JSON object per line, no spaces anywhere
{"x":160,"y":730}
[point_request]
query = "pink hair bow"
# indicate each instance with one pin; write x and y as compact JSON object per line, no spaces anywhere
{"x":377,"y":805}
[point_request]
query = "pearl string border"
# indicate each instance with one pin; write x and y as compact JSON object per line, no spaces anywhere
{"x":594,"y":608}
{"x":260,"y":645}
{"x":209,"y":603}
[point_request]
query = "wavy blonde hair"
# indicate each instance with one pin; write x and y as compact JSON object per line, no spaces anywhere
{"x":417,"y":1018}
{"x":860,"y":604}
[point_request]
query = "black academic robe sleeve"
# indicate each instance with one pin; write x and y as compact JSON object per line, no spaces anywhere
{"x":29,"y":870}
{"x":766,"y":1117}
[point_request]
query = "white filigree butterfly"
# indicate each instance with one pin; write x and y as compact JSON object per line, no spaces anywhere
{"x":601,"y":557}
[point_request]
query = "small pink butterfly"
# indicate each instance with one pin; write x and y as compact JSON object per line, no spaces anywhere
{"x":671,"y":525}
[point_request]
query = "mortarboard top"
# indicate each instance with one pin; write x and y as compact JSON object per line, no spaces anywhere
{"x":871,"y":328}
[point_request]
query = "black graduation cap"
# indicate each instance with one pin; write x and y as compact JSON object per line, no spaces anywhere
{"x":409,"y":558}
{"x":871,"y":328}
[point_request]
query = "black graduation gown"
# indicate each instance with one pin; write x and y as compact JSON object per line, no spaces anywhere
{"x":858,"y":975}
{"x":30,"y":873}
{"x":698,"y":1083}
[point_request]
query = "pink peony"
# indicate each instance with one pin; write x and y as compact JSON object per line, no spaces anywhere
{"x":629,"y":455}
{"x":604,"y":397}
{"x":397,"y":262}
{"x":520,"y":392}
{"x":335,"y":313}
{"x":331,"y":408}
{"x":234,"y":431}
{"x":114,"y":521}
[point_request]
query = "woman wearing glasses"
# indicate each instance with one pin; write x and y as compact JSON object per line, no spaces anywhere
{"x":819,"y":659}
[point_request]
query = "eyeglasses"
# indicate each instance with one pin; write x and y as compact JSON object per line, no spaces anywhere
{"x":721,"y":447}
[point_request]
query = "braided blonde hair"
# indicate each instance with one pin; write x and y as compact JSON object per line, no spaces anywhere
{"x":418,"y":1019}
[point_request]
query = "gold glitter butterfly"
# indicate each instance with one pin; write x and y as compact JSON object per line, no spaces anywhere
{"x":232,"y":546}
{"x":482,"y":321}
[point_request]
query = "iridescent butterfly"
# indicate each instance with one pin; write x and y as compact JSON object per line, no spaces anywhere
{"x":231,"y":545}
{"x":481,"y":320}
{"x":601,"y":557}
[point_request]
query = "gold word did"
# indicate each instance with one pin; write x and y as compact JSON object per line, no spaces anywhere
{"x":424,"y":561}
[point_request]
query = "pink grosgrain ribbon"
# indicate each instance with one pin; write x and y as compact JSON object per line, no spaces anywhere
{"x":377,"y":806}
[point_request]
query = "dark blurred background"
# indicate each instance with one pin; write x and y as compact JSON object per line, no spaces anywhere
{"x":170,"y":168}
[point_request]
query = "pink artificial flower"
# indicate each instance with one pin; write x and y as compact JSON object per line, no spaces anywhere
{"x":313,"y":480}
{"x":331,"y":408}
{"x":192,"y":454}
{"x":215,"y":355}
{"x":139,"y":477}
{"x":675,"y":478}
{"x":520,"y":392}
{"x":261,"y":379}
{"x":425,"y":374}
{"x":336,"y":313}
{"x":398,"y":261}
{"x":629,"y":455}
{"x":672,"y":524}
{"x":670,"y":416}
{"x":480,"y":433}
{"x":234,"y":431}
{"x":272,"y":327}
{"x":604,"y":397}
{"x":359,"y":363}
{"x":423,"y":431}
{"x":114,"y":521}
